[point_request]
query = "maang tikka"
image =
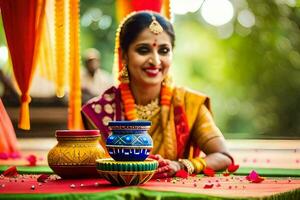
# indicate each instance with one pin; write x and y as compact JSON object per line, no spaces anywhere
{"x":155,"y":27}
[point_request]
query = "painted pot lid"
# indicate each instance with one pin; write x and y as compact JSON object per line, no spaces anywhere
{"x":129,"y":123}
{"x":77,"y":133}
{"x":109,"y":164}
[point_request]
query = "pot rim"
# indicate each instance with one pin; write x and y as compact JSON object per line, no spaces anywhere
{"x":129,"y":123}
{"x":77,"y":133}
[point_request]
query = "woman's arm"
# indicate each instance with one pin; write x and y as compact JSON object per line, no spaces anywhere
{"x":210,"y":140}
{"x":216,"y":154}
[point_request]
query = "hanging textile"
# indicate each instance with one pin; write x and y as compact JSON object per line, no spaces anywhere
{"x":61,"y":45}
{"x":22,"y":25}
{"x":74,"y":115}
{"x":8,"y":140}
{"x":124,"y":7}
{"x":46,"y":67}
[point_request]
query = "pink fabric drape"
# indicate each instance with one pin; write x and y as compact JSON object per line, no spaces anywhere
{"x":8,"y":139}
{"x":22,"y":21}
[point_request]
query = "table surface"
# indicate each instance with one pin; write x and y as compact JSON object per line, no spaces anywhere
{"x":280,"y":159}
{"x":275,"y":186}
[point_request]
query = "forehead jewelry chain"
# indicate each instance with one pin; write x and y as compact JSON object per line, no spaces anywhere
{"x":155,"y":27}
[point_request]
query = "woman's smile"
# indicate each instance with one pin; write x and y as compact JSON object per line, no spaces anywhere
{"x":149,"y":64}
{"x":152,"y":71}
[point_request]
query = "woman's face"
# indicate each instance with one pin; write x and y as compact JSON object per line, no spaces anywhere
{"x":149,"y":57}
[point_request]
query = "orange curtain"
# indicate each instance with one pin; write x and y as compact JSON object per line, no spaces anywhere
{"x":8,"y":139}
{"x":22,"y":21}
{"x":74,"y":115}
{"x":124,"y":7}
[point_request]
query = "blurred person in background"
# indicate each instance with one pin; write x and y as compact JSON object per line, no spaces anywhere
{"x":94,"y":80}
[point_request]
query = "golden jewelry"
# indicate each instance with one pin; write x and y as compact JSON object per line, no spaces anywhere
{"x":198,"y":165}
{"x":167,"y":81}
{"x":188,"y":165}
{"x":124,"y":77}
{"x":155,"y":27}
{"x":202,"y":161}
{"x":147,"y":111}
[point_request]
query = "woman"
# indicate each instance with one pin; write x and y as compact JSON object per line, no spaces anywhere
{"x":181,"y":120}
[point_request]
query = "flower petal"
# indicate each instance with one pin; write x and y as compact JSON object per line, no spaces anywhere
{"x":208,"y":186}
{"x":32,"y":160}
{"x":11,"y":171}
{"x":182,"y":173}
{"x":42,"y":178}
{"x":232,"y":168}
{"x":209,"y":172}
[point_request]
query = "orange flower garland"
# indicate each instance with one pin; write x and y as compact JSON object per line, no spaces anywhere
{"x":129,"y":103}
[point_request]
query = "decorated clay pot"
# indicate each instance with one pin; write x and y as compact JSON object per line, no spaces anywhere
{"x":126,"y":172}
{"x":129,"y":140}
{"x":75,"y":153}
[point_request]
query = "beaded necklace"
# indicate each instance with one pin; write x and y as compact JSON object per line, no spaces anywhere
{"x":129,"y":102}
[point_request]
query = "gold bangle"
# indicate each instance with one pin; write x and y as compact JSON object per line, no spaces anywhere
{"x":198,"y":165}
{"x":202,"y":161}
{"x":188,"y":165}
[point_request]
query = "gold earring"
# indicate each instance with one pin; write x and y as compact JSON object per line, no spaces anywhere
{"x":124,"y":77}
{"x":167,"y":81}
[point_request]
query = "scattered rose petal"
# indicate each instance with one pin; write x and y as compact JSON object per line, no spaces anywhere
{"x":31,"y":159}
{"x":182,"y":174}
{"x":4,"y":156}
{"x":258,"y":180}
{"x":254,"y":177}
{"x":208,"y":186}
{"x":209,"y":172}
{"x":11,"y":171}
{"x":42,"y":178}
{"x":226,"y":174}
{"x":232,"y":168}
{"x":15,"y":155}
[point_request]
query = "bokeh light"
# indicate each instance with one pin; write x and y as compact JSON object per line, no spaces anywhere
{"x":3,"y":55}
{"x":217,"y":12}
{"x":246,"y":18}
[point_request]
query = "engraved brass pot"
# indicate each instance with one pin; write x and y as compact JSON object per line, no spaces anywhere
{"x":75,"y":154}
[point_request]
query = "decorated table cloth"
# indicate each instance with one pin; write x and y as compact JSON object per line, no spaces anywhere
{"x":277,"y":184}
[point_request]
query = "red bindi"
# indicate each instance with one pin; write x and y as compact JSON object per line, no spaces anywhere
{"x":154,"y":43}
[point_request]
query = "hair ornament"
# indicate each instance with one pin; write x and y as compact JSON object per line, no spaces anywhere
{"x":155,"y":27}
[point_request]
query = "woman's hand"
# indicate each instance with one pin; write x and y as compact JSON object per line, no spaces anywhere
{"x":166,"y":168}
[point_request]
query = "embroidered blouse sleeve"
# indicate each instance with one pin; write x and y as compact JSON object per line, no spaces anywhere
{"x":204,"y":128}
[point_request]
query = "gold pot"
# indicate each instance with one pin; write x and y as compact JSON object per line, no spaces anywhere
{"x":75,"y":154}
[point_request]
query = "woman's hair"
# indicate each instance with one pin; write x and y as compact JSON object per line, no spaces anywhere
{"x":135,"y":24}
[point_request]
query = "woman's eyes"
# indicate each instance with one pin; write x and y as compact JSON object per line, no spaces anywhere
{"x":145,"y":50}
{"x":164,"y":50}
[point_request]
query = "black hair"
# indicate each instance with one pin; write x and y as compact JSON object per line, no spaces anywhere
{"x":134,"y":25}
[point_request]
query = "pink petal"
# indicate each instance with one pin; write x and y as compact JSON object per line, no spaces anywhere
{"x":252,"y":176}
{"x":4,"y":156}
{"x":32,"y":160}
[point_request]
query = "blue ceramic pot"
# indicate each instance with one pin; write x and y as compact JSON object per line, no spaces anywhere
{"x":129,"y":140}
